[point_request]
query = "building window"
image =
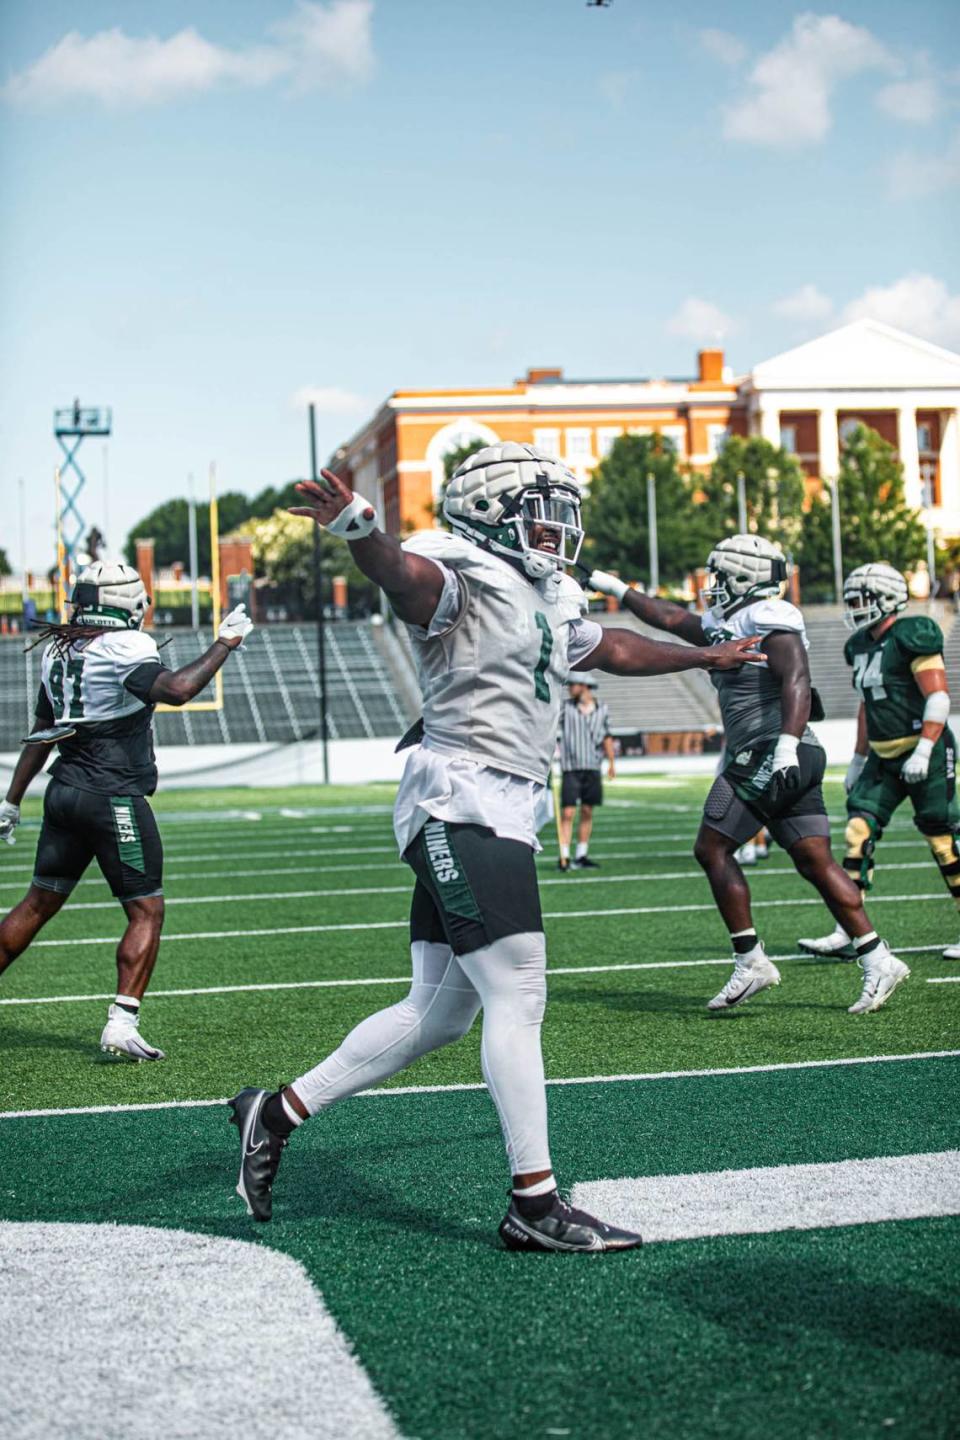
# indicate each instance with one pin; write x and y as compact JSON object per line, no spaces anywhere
{"x":847,"y":427}
{"x":717,"y":437}
{"x":788,"y":439}
{"x":548,"y":441}
{"x":607,"y":435}
{"x":677,"y":435}
{"x":578,"y":447}
{"x":925,"y":438}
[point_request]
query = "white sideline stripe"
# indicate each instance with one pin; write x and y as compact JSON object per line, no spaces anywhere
{"x":401,"y":924}
{"x":176,"y":1322}
{"x":944,"y":979}
{"x":348,"y":981}
{"x":386,"y":1092}
{"x":778,"y":1197}
{"x":251,"y":896}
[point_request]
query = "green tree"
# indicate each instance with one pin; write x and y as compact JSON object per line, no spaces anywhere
{"x":168,"y":527}
{"x":5,"y":568}
{"x":615,"y":512}
{"x":773,"y":486}
{"x":283,"y":553}
{"x":876,"y":523}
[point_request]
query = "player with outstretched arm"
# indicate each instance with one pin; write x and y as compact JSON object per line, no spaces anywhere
{"x":496,"y":628}
{"x":774,"y":762}
{"x":101,"y":677}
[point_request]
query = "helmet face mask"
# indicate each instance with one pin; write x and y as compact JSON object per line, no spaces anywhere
{"x":518,"y":503}
{"x":109,"y":597}
{"x":744,"y":567}
{"x":871,"y":593}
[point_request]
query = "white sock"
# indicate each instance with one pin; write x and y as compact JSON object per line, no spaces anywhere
{"x":288,"y":1110}
{"x":564,"y":852}
{"x":130,"y":1002}
{"x":542,"y":1187}
{"x":581,"y":849}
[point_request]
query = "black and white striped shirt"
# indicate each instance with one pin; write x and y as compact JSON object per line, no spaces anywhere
{"x":582,"y":735}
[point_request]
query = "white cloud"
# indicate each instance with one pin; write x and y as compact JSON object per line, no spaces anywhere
{"x":911,"y":175}
{"x":315,"y":45}
{"x":791,"y":87}
{"x":328,"y":399}
{"x":807,"y":306}
{"x":728,"y":49}
{"x":915,"y":101}
{"x":920,"y":304}
{"x":700,"y":321}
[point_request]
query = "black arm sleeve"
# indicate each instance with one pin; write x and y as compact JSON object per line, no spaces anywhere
{"x":140,"y":681}
{"x":44,"y":710}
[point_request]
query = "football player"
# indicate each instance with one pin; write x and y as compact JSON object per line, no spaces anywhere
{"x":904,"y":745}
{"x":774,"y":762}
{"x":101,"y":677}
{"x":496,"y":627}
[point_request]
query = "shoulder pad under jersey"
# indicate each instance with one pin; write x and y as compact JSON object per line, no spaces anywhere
{"x":127,"y":647}
{"x":774,"y":614}
{"x":442,"y":545}
{"x":918,"y":635}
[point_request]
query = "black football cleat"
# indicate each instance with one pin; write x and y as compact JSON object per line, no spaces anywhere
{"x":260,"y":1152}
{"x":563,"y":864}
{"x":563,"y":1228}
{"x":585,"y":863}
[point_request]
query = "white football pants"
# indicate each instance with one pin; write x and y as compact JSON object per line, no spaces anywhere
{"x":508,"y":980}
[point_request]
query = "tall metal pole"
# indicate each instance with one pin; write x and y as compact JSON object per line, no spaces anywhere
{"x":321,"y":618}
{"x":192,"y":531}
{"x":741,"y":503}
{"x":106,"y":498}
{"x":837,"y":542}
{"x":652,"y":532}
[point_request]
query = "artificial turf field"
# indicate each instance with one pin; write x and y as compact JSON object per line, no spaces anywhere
{"x":285,"y":925}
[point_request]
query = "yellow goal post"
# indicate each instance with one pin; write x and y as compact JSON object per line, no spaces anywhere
{"x":217,"y":702}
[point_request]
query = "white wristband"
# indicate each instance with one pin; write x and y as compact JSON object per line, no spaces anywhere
{"x":353,"y":522}
{"x":608,"y":585}
{"x":923,"y":748}
{"x":936,"y":711}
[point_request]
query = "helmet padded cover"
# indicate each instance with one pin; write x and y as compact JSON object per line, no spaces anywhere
{"x":110,"y":585}
{"x":488,"y":480}
{"x":882,"y":581}
{"x":748,"y":561}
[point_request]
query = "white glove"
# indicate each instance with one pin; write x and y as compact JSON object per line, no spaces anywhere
{"x":917,"y":764}
{"x":9,"y":820}
{"x":857,"y":763}
{"x":235,"y":626}
{"x":607,"y":584}
{"x":786,"y":764}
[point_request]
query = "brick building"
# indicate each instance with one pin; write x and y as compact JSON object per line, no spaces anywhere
{"x":905,"y":388}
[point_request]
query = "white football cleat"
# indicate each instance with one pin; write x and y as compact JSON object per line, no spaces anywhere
{"x":882,"y":973}
{"x":747,"y":854}
{"x":751,"y":974}
{"x":952,"y":952}
{"x":121,"y":1037}
{"x":837,"y":945}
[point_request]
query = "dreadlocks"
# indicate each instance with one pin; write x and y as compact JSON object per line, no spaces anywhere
{"x":64,"y":637}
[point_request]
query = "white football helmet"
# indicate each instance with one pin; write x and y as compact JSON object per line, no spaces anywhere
{"x":744,"y":567}
{"x":501,"y":491}
{"x":872,"y":592}
{"x":109,"y":596}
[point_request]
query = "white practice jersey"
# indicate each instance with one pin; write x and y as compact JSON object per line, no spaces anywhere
{"x":492,"y":667}
{"x":86,"y":685}
{"x":750,"y":697}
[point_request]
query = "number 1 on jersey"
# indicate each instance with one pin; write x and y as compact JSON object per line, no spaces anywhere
{"x":541,"y":686}
{"x":74,"y":673}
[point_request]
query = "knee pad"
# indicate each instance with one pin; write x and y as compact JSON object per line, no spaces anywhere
{"x":945,"y":852}
{"x":861,"y":837}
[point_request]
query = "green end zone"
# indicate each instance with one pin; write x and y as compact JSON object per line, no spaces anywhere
{"x":391,"y":1202}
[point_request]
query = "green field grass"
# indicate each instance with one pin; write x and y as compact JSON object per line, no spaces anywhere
{"x":286,"y":923}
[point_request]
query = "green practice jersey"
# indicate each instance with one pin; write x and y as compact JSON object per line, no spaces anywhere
{"x":884,"y":676}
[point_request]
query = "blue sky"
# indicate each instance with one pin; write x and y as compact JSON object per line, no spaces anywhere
{"x":212,"y":209}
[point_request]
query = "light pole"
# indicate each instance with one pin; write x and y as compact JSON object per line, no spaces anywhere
{"x":741,"y":502}
{"x":837,"y":545}
{"x":652,"y":532}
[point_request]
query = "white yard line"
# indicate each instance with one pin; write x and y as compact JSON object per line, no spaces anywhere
{"x":944,"y":979}
{"x":388,"y":1092}
{"x":769,"y":1198}
{"x":255,"y":896}
{"x":401,"y":924}
{"x":353,"y":981}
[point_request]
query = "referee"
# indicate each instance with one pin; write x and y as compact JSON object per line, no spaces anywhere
{"x":584,"y":739}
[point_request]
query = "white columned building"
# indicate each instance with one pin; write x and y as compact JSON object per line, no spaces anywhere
{"x":905,"y":388}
